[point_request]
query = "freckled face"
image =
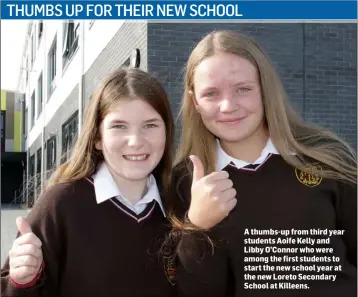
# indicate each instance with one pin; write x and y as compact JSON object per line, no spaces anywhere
{"x":227,"y":94}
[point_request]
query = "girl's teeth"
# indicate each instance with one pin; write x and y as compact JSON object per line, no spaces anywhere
{"x":135,"y":158}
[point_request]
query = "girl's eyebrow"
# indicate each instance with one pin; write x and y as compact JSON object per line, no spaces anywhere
{"x":238,"y":84}
{"x":152,"y":120}
{"x":208,"y":88}
{"x":124,"y":122}
{"x":118,"y":122}
{"x":244,"y":82}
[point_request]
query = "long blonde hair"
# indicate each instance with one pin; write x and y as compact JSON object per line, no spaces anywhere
{"x":289,"y":133}
{"x":122,"y":84}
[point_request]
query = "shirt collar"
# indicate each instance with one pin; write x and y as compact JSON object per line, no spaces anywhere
{"x":223,"y":159}
{"x":106,"y":188}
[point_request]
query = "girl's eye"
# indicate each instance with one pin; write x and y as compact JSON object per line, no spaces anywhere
{"x":243,"y":90}
{"x":119,"y":127}
{"x":211,"y":94}
{"x":150,"y":126}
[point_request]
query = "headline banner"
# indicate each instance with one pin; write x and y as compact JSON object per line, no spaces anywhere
{"x":175,"y":10}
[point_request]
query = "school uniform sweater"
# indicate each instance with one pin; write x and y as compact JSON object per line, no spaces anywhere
{"x":93,"y":249}
{"x":271,"y":196}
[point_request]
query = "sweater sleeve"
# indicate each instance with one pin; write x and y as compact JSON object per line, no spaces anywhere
{"x":201,"y":257}
{"x":47,"y":224}
{"x":347,"y":219}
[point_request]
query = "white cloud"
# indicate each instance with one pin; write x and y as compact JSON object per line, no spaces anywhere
{"x":13,"y":34}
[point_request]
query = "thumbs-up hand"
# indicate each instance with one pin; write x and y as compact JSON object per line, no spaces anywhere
{"x":25,"y":256}
{"x":212,"y":196}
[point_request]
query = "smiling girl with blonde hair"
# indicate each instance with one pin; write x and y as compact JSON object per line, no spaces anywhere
{"x":247,"y":167}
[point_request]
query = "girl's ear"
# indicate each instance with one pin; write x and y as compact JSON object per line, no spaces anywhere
{"x":192,"y":97}
{"x":98,"y":145}
{"x":98,"y":141}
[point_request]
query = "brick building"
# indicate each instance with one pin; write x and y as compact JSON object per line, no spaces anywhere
{"x":317,"y":63}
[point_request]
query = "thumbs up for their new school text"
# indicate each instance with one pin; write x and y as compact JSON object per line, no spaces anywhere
{"x":212,"y":196}
{"x":25,"y":256}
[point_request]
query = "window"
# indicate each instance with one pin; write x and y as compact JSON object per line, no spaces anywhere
{"x":126,"y":63}
{"x":69,"y":133}
{"x":70,"y":40}
{"x":25,"y":121}
{"x":52,"y":69}
{"x":32,"y":166}
{"x":39,"y":95}
{"x":27,"y":69}
{"x":33,"y":109}
{"x":40,"y":32}
{"x":38,"y":170}
{"x":33,"y":48}
{"x":2,"y":149}
{"x":38,"y":157}
{"x":31,"y":183}
{"x":51,"y":153}
{"x":90,"y":24}
{"x":23,"y":114}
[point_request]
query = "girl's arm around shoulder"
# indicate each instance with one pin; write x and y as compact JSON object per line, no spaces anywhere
{"x":47,"y":220}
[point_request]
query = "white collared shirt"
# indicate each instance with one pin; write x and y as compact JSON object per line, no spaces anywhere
{"x":223,"y":159}
{"x":106,"y":188}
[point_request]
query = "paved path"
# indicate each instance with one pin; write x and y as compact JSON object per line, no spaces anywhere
{"x":8,"y":227}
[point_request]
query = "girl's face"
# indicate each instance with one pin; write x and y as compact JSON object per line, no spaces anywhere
{"x":228,"y":97}
{"x":132,"y":139}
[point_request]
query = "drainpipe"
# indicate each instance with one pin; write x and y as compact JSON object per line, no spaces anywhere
{"x":81,"y":77}
{"x":27,"y":88}
{"x":27,"y":140}
{"x":44,"y":101}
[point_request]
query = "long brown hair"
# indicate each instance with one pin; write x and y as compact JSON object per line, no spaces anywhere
{"x":123,"y":83}
{"x":289,"y":133}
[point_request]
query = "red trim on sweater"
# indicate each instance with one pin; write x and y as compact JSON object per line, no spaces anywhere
{"x":31,"y":283}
